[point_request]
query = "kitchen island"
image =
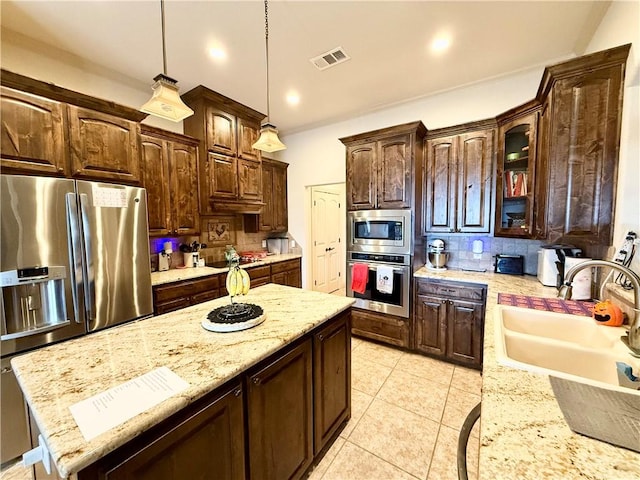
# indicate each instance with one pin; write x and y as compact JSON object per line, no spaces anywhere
{"x":523,"y":434}
{"x":56,"y":377}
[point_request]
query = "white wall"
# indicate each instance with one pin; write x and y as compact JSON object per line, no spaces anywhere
{"x":34,"y":59}
{"x":621,"y":25}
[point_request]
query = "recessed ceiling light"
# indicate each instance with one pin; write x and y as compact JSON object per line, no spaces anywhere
{"x":440,"y":43}
{"x":293,"y":98}
{"x":217,"y":53}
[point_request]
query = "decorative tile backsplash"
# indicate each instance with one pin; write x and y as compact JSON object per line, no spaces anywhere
{"x":462,"y":256}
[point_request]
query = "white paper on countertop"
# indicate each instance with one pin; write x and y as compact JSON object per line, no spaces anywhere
{"x":100,"y":413}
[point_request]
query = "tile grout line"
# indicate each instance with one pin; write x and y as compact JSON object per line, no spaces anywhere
{"x":435,"y":444}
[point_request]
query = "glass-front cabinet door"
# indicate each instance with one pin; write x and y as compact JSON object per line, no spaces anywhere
{"x":515,"y":180}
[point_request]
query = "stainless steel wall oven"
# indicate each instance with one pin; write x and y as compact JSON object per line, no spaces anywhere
{"x":394,"y":303}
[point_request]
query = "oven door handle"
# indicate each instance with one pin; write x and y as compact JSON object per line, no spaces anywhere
{"x":375,"y":267}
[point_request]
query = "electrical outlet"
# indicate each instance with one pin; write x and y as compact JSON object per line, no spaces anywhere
{"x":264,"y":244}
{"x":293,"y":244}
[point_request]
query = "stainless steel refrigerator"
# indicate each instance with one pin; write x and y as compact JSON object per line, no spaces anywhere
{"x":74,"y":259}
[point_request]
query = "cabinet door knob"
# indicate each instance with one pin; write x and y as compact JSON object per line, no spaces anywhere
{"x":320,"y":337}
{"x":450,"y":302}
{"x":237,"y":392}
{"x":444,"y":301}
{"x":256,"y":380}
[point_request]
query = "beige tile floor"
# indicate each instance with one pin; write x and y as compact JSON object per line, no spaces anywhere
{"x":406,"y":413}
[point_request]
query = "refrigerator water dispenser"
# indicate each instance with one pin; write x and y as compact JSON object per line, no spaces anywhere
{"x":33,"y":301}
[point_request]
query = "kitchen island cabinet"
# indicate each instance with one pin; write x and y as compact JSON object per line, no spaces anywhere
{"x":211,"y":363}
{"x":280,"y":416}
{"x":173,"y":450}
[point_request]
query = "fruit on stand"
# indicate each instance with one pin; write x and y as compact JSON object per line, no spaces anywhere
{"x":238,"y":282}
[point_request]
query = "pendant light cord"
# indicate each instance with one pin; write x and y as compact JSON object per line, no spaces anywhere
{"x":266,"y":42}
{"x":164,"y":48}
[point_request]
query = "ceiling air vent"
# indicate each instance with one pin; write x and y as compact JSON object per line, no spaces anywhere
{"x":330,"y":58}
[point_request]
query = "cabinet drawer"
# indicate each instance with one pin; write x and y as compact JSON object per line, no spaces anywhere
{"x":172,"y":305}
{"x":384,"y":328}
{"x":452,"y":289}
{"x":257,"y":272}
{"x":285,"y":266}
{"x":174,"y":290}
{"x":204,"y":296}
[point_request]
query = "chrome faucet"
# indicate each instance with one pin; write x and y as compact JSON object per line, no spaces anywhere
{"x":632,"y":339}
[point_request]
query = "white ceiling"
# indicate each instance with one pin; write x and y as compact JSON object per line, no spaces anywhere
{"x":388,"y":42}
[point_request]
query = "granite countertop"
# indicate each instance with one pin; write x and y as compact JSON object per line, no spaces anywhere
{"x":178,"y":274}
{"x":55,"y":377}
{"x":523,"y":434}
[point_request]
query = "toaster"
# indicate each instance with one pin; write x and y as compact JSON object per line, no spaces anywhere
{"x":509,"y":264}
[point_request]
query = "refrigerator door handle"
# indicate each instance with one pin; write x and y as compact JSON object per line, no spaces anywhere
{"x":76,"y":260}
{"x":89,"y":275}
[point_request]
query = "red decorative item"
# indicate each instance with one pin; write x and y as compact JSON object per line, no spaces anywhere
{"x":606,"y":313}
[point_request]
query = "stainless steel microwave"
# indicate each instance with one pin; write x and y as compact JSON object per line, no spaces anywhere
{"x":387,"y":231}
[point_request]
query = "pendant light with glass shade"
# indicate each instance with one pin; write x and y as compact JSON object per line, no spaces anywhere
{"x":166,"y":102}
{"x":268,"y":141}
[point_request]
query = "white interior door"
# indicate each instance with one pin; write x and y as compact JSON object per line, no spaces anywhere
{"x":327,"y":247}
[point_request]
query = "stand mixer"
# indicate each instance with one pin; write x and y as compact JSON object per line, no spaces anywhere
{"x":437,"y":257}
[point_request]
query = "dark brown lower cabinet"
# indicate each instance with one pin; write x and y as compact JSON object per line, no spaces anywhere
{"x":448,"y":321}
{"x":173,"y":296}
{"x":381,"y":327}
{"x":280,"y":416}
{"x":259,"y":275}
{"x":272,"y":422}
{"x":206,"y":441}
{"x":287,"y":273}
{"x":430,"y":327}
{"x":331,"y":380}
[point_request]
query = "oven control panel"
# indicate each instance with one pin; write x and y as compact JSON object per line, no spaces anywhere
{"x":380,"y":257}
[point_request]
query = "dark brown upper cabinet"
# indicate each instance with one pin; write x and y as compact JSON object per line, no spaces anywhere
{"x":33,"y":134}
{"x":581,"y":146}
{"x":248,"y":134}
{"x":381,"y":167}
{"x":49,"y":130}
{"x":274,"y":216}
{"x":170,"y":175}
{"x":458,"y":178}
{"x":103,"y":146}
{"x":230,"y":169}
{"x":516,"y":172}
{"x":221,"y":131}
